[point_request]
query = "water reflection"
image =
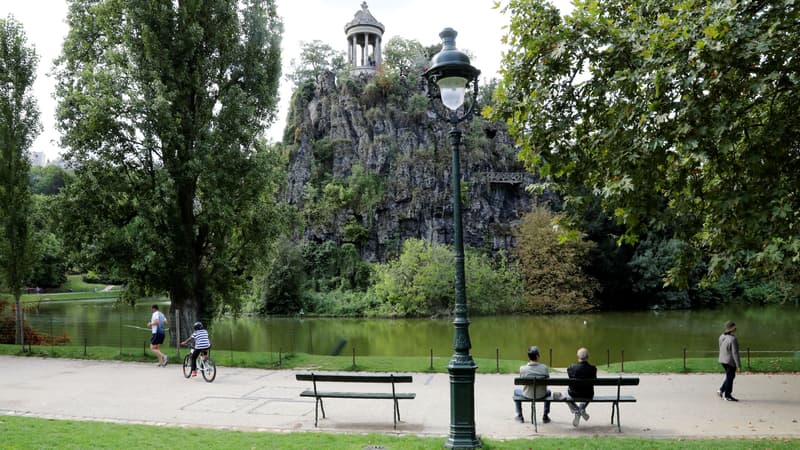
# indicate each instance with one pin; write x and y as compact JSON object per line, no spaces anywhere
{"x":641,"y":335}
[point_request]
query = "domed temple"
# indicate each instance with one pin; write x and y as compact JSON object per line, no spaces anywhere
{"x":364,"y":34}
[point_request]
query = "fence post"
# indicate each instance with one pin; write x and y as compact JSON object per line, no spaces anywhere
{"x":551,"y":357}
{"x":280,"y":355}
{"x":354,"y":357}
{"x":497,"y":359}
{"x":608,"y":358}
{"x":144,"y":348}
{"x":230,"y":347}
{"x":622,"y":363}
{"x":120,"y":334}
{"x":431,"y":358}
{"x":85,"y":341}
{"x":52,"y":338}
{"x":684,"y":358}
{"x":177,"y":334}
{"x":748,"y":358}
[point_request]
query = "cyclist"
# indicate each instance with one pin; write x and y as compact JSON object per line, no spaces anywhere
{"x":202,"y":343}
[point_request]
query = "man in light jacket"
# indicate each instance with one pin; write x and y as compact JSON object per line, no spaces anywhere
{"x":534,"y":369}
{"x":729,"y":358}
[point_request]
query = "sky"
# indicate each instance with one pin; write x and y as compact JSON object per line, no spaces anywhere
{"x":480,"y":29}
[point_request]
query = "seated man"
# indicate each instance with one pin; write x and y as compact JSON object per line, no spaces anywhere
{"x":581,"y":369}
{"x":534,"y":369}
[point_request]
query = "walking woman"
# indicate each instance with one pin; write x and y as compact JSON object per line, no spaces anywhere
{"x":729,"y":358}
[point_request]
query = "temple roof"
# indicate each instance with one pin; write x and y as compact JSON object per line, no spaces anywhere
{"x":364,"y":17}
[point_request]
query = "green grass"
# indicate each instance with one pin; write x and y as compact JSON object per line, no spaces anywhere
{"x":74,"y":289}
{"x":76,"y":284}
{"x":396,"y":364}
{"x":708,"y":365}
{"x":28,"y":433}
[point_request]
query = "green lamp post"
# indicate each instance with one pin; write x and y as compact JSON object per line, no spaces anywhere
{"x":448,"y":78}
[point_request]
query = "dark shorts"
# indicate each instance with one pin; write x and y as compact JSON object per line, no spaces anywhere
{"x":157,"y":338}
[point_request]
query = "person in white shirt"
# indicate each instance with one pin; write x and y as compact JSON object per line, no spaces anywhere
{"x":158,"y":323}
{"x":202,"y":343}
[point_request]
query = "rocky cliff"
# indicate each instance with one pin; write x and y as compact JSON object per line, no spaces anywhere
{"x":368,"y":165}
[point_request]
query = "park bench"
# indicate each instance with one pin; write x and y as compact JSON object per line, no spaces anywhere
{"x":387,"y":379}
{"x":615,"y":400}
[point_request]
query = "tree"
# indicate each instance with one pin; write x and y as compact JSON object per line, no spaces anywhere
{"x":19,"y":125}
{"x":161,"y":106}
{"x":47,"y":180}
{"x":421,"y":282}
{"x":316,"y":57}
{"x":552,"y":261}
{"x":406,"y":56}
{"x":680,"y":115}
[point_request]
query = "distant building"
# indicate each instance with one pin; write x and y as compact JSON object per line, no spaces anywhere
{"x":364,"y":34}
{"x":38,"y":159}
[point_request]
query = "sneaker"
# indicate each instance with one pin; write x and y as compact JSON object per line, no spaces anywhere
{"x":730,"y":398}
{"x":720,"y":394}
{"x":166,"y":358}
{"x":194,"y":373}
{"x":557,"y":395}
{"x":576,"y":420}
{"x":545,"y":419}
{"x":519,"y":419}
{"x":584,"y":414}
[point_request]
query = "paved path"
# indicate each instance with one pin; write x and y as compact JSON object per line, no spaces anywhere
{"x":255,"y":399}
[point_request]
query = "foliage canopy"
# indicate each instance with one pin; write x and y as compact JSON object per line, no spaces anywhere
{"x":680,"y":115}
{"x":161,"y":106}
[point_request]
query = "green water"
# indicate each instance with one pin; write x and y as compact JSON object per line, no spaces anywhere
{"x":640,"y":335}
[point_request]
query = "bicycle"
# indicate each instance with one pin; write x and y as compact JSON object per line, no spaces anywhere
{"x":205,"y":365}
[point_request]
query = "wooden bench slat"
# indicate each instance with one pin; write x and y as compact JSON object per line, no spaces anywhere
{"x":355,"y":378}
{"x":364,"y":395}
{"x":577,"y":382}
{"x":595,"y":399}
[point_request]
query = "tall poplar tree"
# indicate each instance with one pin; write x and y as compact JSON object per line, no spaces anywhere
{"x":19,"y":126}
{"x":162,"y":106}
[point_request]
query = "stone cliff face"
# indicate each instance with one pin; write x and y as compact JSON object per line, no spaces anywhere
{"x":369,"y":166}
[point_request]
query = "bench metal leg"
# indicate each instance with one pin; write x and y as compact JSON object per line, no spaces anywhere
{"x":615,"y":408}
{"x":396,"y":412}
{"x":533,"y":416}
{"x":317,"y":406}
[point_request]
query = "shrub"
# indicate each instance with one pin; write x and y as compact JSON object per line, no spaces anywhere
{"x":551,"y":261}
{"x":421,"y":282}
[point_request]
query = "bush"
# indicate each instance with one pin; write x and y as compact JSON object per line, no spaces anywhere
{"x":421,"y":282}
{"x":551,"y":261}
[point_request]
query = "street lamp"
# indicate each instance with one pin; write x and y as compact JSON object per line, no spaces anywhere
{"x":447,"y":80}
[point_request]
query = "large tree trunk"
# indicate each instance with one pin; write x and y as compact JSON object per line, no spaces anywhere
{"x":183,"y":312}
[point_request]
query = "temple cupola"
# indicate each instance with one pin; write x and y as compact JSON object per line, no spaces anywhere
{"x":364,"y":34}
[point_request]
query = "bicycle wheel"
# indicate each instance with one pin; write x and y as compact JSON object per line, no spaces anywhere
{"x":210,"y":370}
{"x":187,"y":365}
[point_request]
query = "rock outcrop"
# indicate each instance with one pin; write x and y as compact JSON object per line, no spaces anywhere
{"x":369,"y":165}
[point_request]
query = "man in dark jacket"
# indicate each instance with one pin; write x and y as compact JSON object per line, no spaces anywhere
{"x":581,"y":370}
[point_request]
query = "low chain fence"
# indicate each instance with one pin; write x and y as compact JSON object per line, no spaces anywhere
{"x":127,"y":333}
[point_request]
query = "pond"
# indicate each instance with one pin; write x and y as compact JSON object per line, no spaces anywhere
{"x":640,"y":334}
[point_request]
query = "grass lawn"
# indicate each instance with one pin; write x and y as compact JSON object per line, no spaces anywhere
{"x":27,"y":433}
{"x":74,"y":289}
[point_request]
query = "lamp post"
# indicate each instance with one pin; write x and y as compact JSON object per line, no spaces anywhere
{"x":447,"y":80}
